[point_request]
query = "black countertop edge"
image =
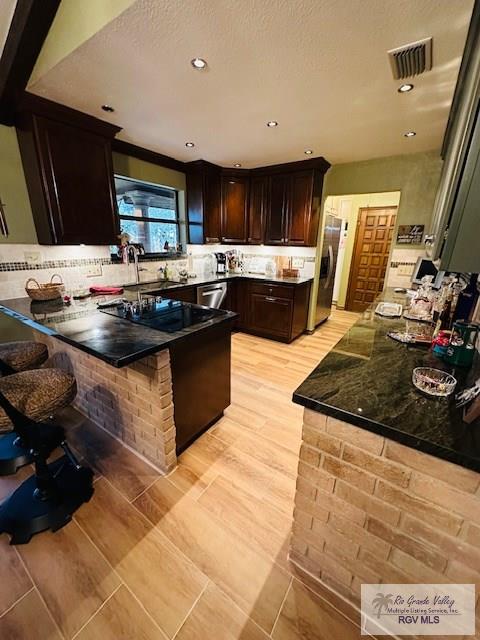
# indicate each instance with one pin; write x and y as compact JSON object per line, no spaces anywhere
{"x":120,"y":361}
{"x":402,"y":437}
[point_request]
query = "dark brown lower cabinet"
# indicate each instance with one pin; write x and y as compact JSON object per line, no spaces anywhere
{"x":270,"y":315}
{"x":271,"y":310}
{"x":277,"y":311}
{"x":186,"y":294}
{"x":200,"y":366}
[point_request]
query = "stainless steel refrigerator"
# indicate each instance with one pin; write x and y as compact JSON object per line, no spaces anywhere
{"x":327,"y":255}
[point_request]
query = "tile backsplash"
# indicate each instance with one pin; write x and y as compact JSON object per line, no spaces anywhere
{"x":402,"y":264}
{"x":81,"y":267}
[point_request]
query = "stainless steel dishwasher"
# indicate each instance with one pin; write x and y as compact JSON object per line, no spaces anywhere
{"x":212,"y":295}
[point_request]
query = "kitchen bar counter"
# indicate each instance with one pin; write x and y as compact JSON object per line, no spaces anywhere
{"x":366,"y":380}
{"x":115,"y":341}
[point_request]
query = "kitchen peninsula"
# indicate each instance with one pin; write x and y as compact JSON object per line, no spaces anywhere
{"x":156,"y":390}
{"x":388,"y":480}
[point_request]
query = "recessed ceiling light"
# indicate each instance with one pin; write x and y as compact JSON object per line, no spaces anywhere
{"x":108,"y":108}
{"x":189,"y":144}
{"x":405,"y":88}
{"x":237,"y":165}
{"x":308,"y":152}
{"x":272,"y":123}
{"x":198,"y":63}
{"x":410,"y":134}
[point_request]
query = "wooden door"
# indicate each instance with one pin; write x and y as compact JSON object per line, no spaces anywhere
{"x":276,"y":218}
{"x":234,"y":209}
{"x":257,"y":209}
{"x":299,"y":208}
{"x":78,"y":174}
{"x":370,"y":256}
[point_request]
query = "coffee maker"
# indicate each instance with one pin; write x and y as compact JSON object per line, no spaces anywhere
{"x":221,"y":259}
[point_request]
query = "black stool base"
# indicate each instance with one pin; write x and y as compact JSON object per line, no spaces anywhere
{"x":22,"y":515}
{"x":12,"y":457}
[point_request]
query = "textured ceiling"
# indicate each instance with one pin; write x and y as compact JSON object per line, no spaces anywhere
{"x":318,"y":67}
{"x":7,"y":8}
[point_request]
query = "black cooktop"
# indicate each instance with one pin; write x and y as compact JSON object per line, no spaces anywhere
{"x":163,"y":315}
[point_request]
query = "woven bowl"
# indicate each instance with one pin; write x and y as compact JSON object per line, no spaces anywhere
{"x":48,"y":291}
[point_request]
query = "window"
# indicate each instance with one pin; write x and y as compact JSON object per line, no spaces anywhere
{"x":149,"y":214}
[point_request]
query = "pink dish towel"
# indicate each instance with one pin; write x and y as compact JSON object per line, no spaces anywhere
{"x":105,"y":290}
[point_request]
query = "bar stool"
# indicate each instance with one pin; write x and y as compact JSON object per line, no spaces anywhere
{"x":48,"y":498}
{"x":37,"y":394}
{"x":20,"y":356}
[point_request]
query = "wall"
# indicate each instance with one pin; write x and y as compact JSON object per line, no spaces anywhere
{"x":13,"y":191}
{"x":415,"y":175}
{"x":74,"y":23}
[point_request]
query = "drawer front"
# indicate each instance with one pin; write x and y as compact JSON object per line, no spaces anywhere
{"x":271,"y":315}
{"x":273,"y":290}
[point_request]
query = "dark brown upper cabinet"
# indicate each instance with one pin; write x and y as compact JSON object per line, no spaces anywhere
{"x":67,"y":161}
{"x":300,"y":227}
{"x":277,"y":209}
{"x":259,"y":186}
{"x":203,"y":202}
{"x":235,"y":209}
{"x":293,"y":208}
{"x":276,"y":205}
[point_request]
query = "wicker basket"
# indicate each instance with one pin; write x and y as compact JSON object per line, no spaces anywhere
{"x":290,"y":273}
{"x":49,"y":291}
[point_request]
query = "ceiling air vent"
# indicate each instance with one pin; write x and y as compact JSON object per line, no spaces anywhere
{"x":411,"y":59}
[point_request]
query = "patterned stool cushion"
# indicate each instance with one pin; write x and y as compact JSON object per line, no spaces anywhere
{"x":37,"y":393}
{"x":23,"y":355}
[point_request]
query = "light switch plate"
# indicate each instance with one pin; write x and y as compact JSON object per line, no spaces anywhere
{"x":298,"y":263}
{"x":32,"y":257}
{"x":92,"y":270}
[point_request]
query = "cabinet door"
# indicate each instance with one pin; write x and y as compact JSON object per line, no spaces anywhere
{"x":234,"y":209}
{"x":186,"y":294}
{"x":78,"y":180}
{"x":212,"y":206}
{"x":270,"y":315}
{"x":300,"y":208}
{"x":257,"y":209}
{"x":275,"y":228}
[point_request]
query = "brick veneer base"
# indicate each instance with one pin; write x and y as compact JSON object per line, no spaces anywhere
{"x":134,"y":403}
{"x":370,"y":510}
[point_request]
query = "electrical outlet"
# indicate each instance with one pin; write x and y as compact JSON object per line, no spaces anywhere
{"x":92,"y":271}
{"x":32,"y":257}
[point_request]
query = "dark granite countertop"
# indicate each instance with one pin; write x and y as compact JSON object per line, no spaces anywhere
{"x":366,"y":380}
{"x":143,"y":287}
{"x":116,"y":341}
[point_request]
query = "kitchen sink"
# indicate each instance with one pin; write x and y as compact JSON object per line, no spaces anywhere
{"x":161,"y":286}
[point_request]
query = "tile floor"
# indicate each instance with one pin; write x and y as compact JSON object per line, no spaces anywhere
{"x":201,"y":554}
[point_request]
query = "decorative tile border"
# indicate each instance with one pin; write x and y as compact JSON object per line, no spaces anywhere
{"x":395,"y":265}
{"x":78,"y":262}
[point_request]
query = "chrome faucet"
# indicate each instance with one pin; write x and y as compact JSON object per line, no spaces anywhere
{"x":133,"y":251}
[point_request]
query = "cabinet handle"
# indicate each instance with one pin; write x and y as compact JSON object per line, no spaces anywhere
{"x":269,"y":299}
